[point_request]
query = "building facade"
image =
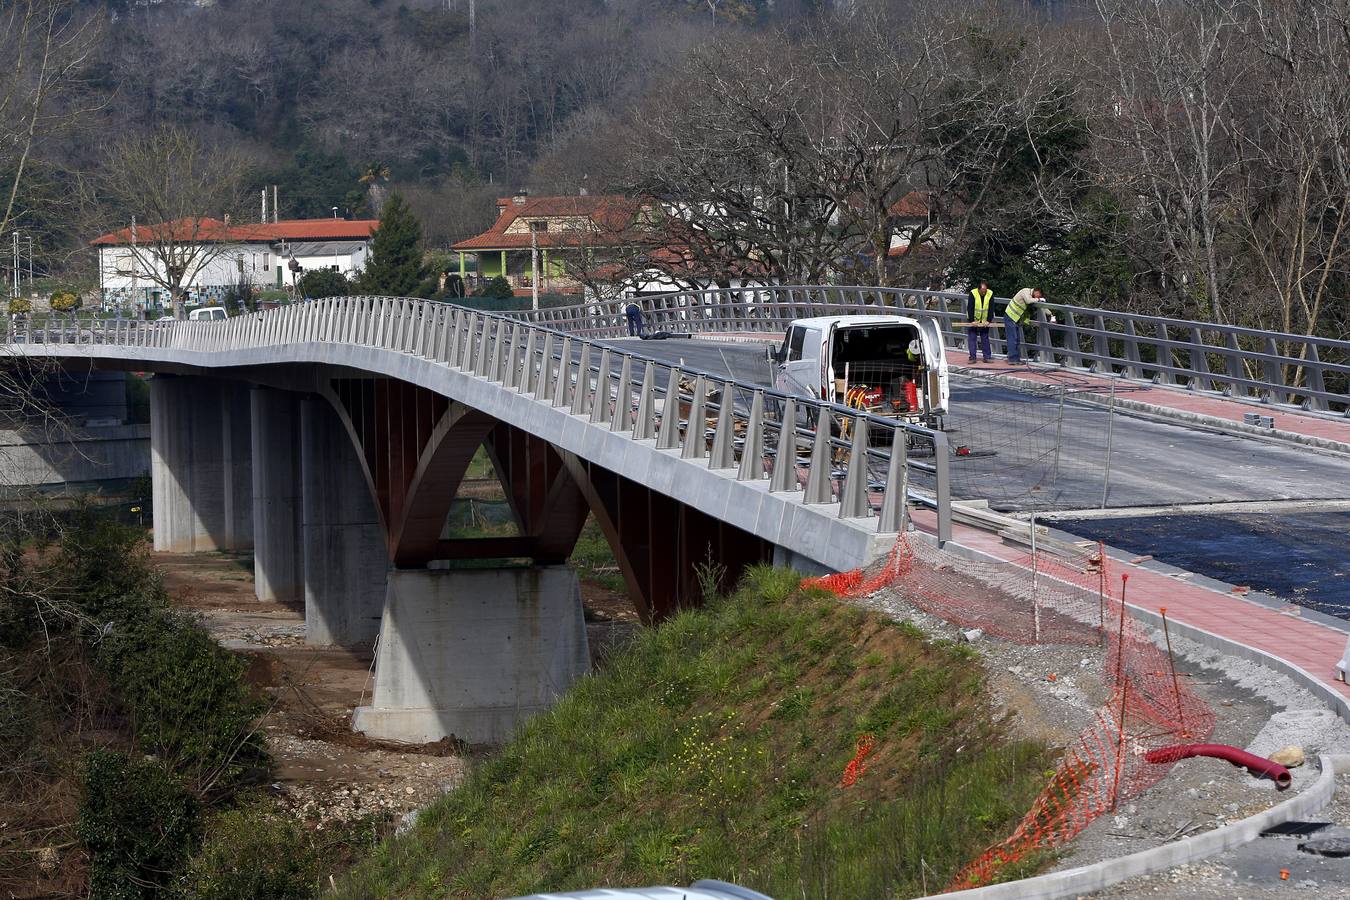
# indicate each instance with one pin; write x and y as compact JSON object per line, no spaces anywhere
{"x":215,"y":255}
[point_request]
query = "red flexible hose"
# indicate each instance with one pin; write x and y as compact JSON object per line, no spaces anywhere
{"x":1259,"y":766}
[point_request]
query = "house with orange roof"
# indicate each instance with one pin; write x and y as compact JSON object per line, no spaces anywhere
{"x":216,"y":254}
{"x":559,"y":240}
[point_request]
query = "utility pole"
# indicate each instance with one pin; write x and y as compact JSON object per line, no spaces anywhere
{"x":30,"y":262}
{"x":14,"y":291}
{"x":534,"y":266}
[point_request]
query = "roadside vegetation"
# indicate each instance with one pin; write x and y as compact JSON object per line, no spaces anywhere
{"x":130,"y":760}
{"x":716,"y":745}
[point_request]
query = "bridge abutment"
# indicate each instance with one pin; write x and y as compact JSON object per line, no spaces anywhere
{"x":278,"y":555}
{"x":200,"y":464}
{"x":473,"y":653}
{"x":345,"y":556}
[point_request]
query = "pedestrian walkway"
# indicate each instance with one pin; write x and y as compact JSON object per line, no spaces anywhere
{"x":1168,"y":400}
{"x":1310,"y":646}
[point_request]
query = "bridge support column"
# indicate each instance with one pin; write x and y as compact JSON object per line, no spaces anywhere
{"x":200,"y":463}
{"x":237,"y":464}
{"x":473,"y":652}
{"x":278,"y":555}
{"x":345,"y":555}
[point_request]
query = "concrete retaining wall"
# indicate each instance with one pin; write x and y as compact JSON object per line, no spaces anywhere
{"x":56,"y":457}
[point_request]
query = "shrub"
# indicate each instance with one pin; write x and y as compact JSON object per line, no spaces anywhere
{"x":104,"y":574}
{"x":188,"y":701}
{"x":20,"y":306}
{"x":498,"y":289}
{"x":251,"y":854}
{"x":137,"y":823}
{"x":65,"y":301}
{"x":240,"y":296}
{"x":321,"y":283}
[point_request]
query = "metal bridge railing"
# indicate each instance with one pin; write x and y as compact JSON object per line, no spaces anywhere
{"x":829,"y":454}
{"x":1243,"y":363}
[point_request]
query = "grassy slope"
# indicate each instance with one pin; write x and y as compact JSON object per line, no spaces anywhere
{"x":714,"y":747}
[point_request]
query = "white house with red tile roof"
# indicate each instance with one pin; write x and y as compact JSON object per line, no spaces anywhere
{"x":263,"y":251}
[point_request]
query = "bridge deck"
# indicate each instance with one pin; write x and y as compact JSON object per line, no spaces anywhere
{"x":1175,"y":400}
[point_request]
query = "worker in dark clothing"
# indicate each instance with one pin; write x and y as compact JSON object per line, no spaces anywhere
{"x":634,"y":312}
{"x":978,"y":309}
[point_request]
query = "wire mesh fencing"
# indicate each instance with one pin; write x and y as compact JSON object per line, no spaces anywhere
{"x":1042,"y":598}
{"x":1025,"y":446}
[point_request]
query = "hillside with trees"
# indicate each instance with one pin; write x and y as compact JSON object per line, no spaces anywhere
{"x":1185,"y":157}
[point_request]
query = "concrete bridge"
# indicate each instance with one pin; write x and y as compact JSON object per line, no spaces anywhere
{"x":330,"y":437}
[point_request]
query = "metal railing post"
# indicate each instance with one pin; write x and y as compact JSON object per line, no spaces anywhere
{"x":895,"y":503}
{"x":752,"y":449}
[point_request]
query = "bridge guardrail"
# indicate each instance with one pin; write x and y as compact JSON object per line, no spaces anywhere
{"x":1244,"y":363}
{"x":867,"y":465}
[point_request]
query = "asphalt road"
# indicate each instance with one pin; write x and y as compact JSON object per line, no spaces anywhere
{"x":1025,"y":455}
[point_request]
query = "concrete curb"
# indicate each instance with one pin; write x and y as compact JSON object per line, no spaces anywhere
{"x":1086,"y":879}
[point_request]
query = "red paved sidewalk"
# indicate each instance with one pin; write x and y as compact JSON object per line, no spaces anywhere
{"x":1309,"y":645}
{"x":1168,"y":399}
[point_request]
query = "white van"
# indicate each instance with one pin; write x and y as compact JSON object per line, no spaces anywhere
{"x":887,"y":365}
{"x":208,"y":314}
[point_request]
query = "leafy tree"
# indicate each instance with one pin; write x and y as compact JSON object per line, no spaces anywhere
{"x":313,"y":183}
{"x":395,"y":266}
{"x":321,"y":283}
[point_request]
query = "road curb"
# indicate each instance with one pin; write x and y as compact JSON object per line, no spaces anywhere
{"x":1164,"y":412}
{"x":1086,"y":879}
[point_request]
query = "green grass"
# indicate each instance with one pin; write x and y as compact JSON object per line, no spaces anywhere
{"x":594,"y":560}
{"x":713,"y":746}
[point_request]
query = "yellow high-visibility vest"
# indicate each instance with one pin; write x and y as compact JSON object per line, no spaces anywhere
{"x":981,"y":304}
{"x":1017,"y":308}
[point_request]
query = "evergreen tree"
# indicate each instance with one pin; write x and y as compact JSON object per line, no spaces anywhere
{"x":395,"y":267}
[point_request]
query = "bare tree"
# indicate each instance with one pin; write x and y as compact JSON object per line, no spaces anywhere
{"x":1166,"y":79}
{"x":177,"y":199}
{"x":46,"y":46}
{"x":733,"y":148}
{"x":1294,"y":188}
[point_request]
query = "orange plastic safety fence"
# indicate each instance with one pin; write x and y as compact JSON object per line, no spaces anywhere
{"x":858,"y":764}
{"x":1053,"y":600}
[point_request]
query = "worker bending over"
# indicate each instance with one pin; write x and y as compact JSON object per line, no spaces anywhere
{"x":1017,"y":312}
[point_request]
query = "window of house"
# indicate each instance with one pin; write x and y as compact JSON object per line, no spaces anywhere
{"x":335,"y":268}
{"x":539,"y":226}
{"x":267,"y":261}
{"x":239,"y":261}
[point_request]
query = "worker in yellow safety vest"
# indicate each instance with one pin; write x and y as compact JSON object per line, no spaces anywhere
{"x":978,"y":310}
{"x":1018,"y":311}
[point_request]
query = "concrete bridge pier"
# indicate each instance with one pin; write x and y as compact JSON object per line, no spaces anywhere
{"x":278,"y":556}
{"x":200,"y":464}
{"x":473,"y":653}
{"x":345,"y":556}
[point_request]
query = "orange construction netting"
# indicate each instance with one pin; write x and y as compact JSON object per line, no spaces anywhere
{"x":1053,"y":599}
